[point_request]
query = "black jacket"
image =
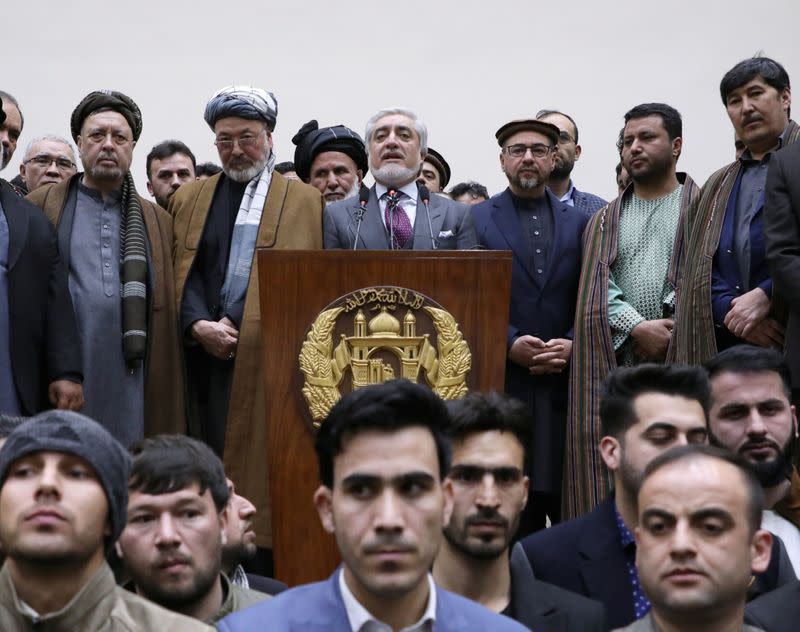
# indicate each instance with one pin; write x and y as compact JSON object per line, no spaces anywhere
{"x":45,"y":344}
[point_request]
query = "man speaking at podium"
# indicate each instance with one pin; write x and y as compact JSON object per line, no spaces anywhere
{"x":395,"y":214}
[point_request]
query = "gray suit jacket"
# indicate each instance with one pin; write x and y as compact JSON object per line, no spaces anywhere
{"x":451,"y":225}
{"x":646,"y":624}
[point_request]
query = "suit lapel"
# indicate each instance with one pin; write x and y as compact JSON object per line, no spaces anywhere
{"x":17,"y":219}
{"x":423,"y":231}
{"x":603,"y":558}
{"x":560,"y":215}
{"x":505,"y":218}
{"x":373,"y":232}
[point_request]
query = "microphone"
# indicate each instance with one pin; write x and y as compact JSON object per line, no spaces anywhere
{"x":425,"y":198}
{"x":391,"y":202}
{"x":363,"y":198}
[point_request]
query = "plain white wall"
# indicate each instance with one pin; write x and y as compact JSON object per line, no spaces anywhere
{"x":465,"y":66}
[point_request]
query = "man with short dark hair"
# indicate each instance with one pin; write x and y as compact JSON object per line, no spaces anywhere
{"x":63,"y":502}
{"x":544,"y":236}
{"x":169,"y":165}
{"x":331,"y":159}
{"x":205,"y":170}
{"x":698,"y":541}
{"x":396,"y":215}
{"x":177,"y":515}
{"x":489,"y":434}
{"x":287,"y":170}
{"x":752,"y":416}
{"x":645,"y":410}
{"x":726,"y":295}
{"x":434,"y":172}
{"x":117,"y":247}
{"x":48,"y":160}
{"x":626,"y":294}
{"x":568,"y":152}
{"x":382,"y":456}
{"x":218,"y":225}
{"x":469,"y":193}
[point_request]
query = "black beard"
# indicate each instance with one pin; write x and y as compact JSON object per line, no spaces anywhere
{"x":775,"y":472}
{"x":561,"y":171}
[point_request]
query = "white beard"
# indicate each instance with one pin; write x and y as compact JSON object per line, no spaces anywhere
{"x":394,"y":175}
{"x":245,"y":174}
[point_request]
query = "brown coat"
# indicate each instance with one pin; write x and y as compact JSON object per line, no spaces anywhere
{"x":163,"y":387}
{"x":291,"y":220}
{"x":99,"y":606}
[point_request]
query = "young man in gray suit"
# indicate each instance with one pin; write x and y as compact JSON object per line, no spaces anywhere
{"x":396,"y":214}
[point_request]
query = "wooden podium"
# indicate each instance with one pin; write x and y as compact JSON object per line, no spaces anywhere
{"x":294,"y":287}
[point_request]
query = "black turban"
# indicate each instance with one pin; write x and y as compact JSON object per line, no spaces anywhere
{"x":438,"y":161}
{"x":106,"y":100}
{"x":311,"y":140}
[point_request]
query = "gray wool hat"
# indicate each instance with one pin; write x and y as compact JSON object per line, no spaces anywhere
{"x":73,"y":433}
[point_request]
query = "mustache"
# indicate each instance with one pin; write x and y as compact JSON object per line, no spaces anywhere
{"x":759,"y":443}
{"x":389,"y":543}
{"x":487,"y":516}
{"x":162,"y":561}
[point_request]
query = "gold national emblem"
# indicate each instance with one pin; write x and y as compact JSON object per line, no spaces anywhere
{"x":381,"y":333}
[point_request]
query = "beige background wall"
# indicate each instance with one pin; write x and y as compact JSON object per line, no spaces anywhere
{"x":466,"y":66}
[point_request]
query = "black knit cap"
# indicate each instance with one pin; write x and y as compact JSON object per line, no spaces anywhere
{"x":73,"y":433}
{"x":440,"y":164}
{"x":106,"y":100}
{"x":312,"y":140}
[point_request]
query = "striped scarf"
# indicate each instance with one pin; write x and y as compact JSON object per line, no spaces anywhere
{"x":586,"y":481}
{"x":243,"y":240}
{"x":133,"y":275}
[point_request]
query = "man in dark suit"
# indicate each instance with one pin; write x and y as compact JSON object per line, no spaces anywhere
{"x":489,"y":434}
{"x":544,"y":236}
{"x":396,"y":215}
{"x":777,"y":611}
{"x":382,"y":456}
{"x":40,"y":358}
{"x":645,"y":410}
{"x":782,"y":232}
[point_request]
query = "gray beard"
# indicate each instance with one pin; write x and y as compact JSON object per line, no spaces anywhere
{"x":353,"y":192}
{"x":245,"y":174}
{"x":394,"y":176}
{"x":106,"y":173}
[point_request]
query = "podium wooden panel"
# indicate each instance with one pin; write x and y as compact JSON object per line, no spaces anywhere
{"x":294,"y":287}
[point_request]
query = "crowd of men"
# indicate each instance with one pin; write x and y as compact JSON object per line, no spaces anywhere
{"x":583,"y":498}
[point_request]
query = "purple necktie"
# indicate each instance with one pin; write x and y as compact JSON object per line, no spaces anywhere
{"x":397,"y":221}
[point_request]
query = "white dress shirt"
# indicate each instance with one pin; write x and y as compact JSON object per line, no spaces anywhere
{"x":362,"y":621}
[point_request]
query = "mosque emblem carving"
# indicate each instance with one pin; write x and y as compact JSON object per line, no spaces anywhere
{"x":376,"y":334}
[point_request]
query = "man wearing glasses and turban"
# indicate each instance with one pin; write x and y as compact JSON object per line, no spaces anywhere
{"x":218,"y":224}
{"x":117,"y":248}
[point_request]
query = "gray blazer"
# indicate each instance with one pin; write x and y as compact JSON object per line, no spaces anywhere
{"x":451,"y":225}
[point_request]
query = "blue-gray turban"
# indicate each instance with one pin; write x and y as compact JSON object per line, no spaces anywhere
{"x":245,"y":102}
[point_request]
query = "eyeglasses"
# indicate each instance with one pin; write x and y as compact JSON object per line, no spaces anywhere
{"x":43,"y":160}
{"x":227,"y":144}
{"x":564,"y":137}
{"x":538,"y":150}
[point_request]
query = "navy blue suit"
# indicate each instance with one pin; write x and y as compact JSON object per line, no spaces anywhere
{"x":542,"y":305}
{"x":319,"y":607}
{"x":585,"y":555}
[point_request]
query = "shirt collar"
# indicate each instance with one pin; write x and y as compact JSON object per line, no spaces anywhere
{"x":746,"y":158}
{"x":359,"y":616}
{"x":568,"y":194}
{"x":409,"y":189}
{"x":626,"y":538}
